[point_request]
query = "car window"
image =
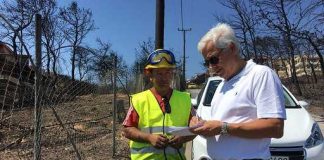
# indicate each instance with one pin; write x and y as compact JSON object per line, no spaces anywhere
{"x":200,"y":94}
{"x":212,"y":85}
{"x":289,"y":102}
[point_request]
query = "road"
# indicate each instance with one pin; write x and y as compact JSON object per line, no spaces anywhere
{"x":193,"y":92}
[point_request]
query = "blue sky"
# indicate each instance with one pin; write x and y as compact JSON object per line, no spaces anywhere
{"x":126,"y":23}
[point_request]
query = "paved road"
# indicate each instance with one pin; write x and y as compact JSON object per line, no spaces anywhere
{"x":193,"y":92}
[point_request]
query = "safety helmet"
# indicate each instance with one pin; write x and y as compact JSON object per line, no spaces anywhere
{"x":161,"y":58}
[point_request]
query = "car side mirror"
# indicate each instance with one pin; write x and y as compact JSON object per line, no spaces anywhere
{"x":194,"y":103}
{"x":303,"y":104}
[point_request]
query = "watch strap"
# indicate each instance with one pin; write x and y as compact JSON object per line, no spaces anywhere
{"x":224,"y":128}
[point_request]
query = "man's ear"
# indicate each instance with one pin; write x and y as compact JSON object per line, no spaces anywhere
{"x":233,"y":48}
{"x":148,"y":72}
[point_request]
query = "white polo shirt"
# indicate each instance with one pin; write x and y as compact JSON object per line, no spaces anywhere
{"x":256,"y":92}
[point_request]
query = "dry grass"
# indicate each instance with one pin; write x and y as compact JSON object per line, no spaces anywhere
{"x":88,"y":119}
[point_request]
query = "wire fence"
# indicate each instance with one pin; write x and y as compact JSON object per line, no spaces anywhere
{"x":61,"y":119}
{"x":76,"y":116}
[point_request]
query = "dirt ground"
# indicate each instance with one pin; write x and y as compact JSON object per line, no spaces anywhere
{"x":89,"y":120}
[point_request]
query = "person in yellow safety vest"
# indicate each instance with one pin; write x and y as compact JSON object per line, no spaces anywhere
{"x":155,"y":112}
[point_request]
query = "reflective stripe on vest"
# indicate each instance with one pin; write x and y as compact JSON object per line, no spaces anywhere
{"x":151,"y":149}
{"x":167,"y":129}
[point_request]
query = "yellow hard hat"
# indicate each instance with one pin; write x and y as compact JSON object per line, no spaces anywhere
{"x":161,"y":58}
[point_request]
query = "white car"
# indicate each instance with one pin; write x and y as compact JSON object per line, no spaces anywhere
{"x":302,"y":137}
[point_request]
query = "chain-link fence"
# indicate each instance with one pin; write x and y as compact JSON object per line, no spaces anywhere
{"x":61,"y":119}
{"x":76,"y":116}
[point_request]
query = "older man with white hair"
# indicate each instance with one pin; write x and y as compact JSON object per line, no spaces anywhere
{"x":248,"y":106}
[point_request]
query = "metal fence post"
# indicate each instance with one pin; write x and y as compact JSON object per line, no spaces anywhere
{"x":114,"y":105}
{"x":37,"y":109}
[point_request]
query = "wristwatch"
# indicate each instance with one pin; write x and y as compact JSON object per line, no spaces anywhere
{"x":224,"y":129}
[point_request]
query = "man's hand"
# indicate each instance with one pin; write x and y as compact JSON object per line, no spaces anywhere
{"x":177,"y":141}
{"x":196,"y":122}
{"x":207,"y":128}
{"x":158,"y":140}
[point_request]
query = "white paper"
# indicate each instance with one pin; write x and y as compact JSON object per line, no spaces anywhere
{"x":184,"y":131}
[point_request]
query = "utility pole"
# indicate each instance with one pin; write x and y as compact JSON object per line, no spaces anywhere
{"x":183,"y":76}
{"x":159,"y":24}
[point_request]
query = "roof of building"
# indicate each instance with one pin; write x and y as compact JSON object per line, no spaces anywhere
{"x":4,"y":49}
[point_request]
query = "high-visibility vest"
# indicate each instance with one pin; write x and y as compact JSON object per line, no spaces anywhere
{"x":151,"y":119}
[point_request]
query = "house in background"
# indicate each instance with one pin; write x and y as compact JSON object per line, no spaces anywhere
{"x":16,"y":78}
{"x":303,"y":66}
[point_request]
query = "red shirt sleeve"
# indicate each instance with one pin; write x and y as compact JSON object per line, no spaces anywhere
{"x":132,"y":118}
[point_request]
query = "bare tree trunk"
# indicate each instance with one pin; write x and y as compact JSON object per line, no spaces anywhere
{"x":313,"y":70}
{"x":258,"y":59}
{"x":304,"y":67}
{"x":73,"y":63}
{"x":48,"y":59}
{"x":287,"y":34}
{"x":318,"y":54}
{"x":246,"y":46}
{"x":294,"y":75}
{"x":284,"y":65}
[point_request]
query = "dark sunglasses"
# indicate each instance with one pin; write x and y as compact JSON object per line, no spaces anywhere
{"x":213,"y":60}
{"x":167,"y":106}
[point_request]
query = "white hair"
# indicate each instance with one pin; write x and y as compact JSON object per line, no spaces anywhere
{"x":221,"y":35}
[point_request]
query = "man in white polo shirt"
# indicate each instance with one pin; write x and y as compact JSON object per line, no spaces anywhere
{"x":247,"y":107}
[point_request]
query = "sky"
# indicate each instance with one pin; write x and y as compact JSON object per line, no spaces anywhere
{"x":127,"y":23}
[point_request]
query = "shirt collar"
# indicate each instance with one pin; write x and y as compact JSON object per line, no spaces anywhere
{"x":246,"y":69}
{"x":157,"y":95}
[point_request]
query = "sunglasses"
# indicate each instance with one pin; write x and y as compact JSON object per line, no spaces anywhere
{"x":157,"y":56}
{"x":213,"y":60}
